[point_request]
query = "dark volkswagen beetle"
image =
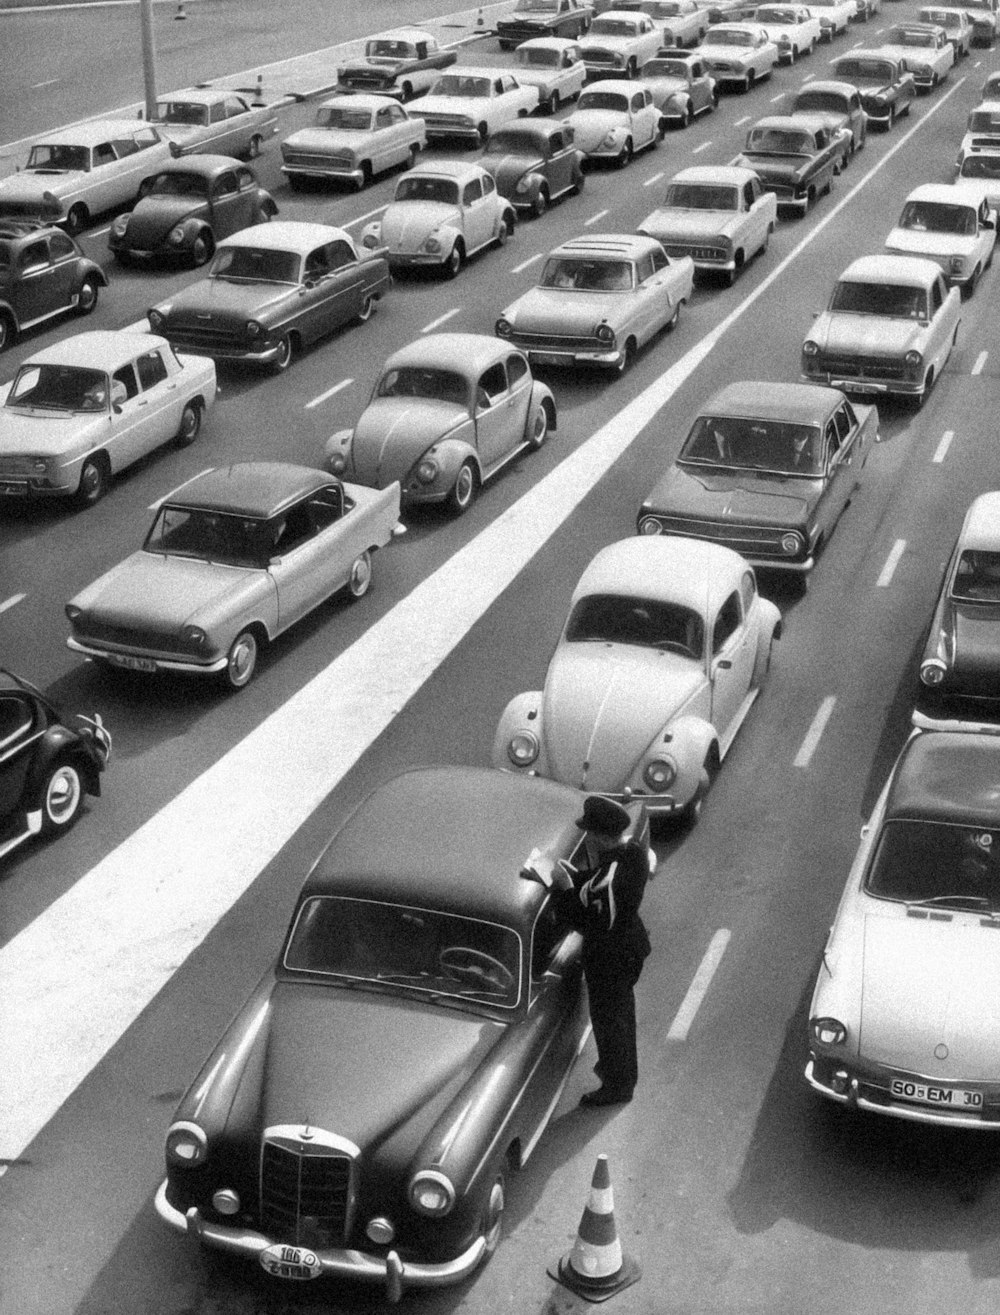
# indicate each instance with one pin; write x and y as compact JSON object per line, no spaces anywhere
{"x":43,"y":273}
{"x":533,"y":162}
{"x":362,"y":1113}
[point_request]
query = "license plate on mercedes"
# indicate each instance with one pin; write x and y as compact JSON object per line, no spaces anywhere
{"x":955,"y":1098}
{"x":132,"y":663}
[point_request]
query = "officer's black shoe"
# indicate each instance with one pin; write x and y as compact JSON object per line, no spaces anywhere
{"x":607,"y":1096}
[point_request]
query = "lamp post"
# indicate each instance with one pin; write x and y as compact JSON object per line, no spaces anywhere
{"x":148,"y":56}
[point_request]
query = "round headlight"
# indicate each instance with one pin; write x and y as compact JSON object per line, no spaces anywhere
{"x":791,"y":543}
{"x":610,"y":138}
{"x":659,"y":774}
{"x":649,"y":525}
{"x":432,"y":244}
{"x":604,"y":333}
{"x":619,"y":61}
{"x":380,"y":1231}
{"x":522,"y":185}
{"x":503,"y":328}
{"x":924,"y":71}
{"x":120,"y":225}
{"x":810,"y":348}
{"x":176,"y":236}
{"x":187,"y":1145}
{"x":431,"y":1193}
{"x":933,"y":671}
{"x":427,"y":470}
{"x":336,"y":464}
{"x":913,"y":359}
{"x":254,"y":330}
{"x":156,"y":320}
{"x":73,"y":612}
{"x":226,"y":1201}
{"x":522,"y":749}
{"x":828,"y":1031}
{"x":39,"y":466}
{"x":194,"y":635}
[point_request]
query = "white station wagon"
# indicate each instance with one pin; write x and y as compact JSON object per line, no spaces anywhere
{"x":949,"y":226}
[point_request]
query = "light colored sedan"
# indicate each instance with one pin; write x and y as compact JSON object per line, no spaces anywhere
{"x":555,"y":66}
{"x":889,"y":328}
{"x":924,"y":49}
{"x":681,"y":22}
{"x":982,"y":131}
{"x":954,"y":229}
{"x":834,"y":15}
{"x":471,"y":103}
{"x":738,"y":54}
{"x":233,"y":558}
{"x":353,"y":137}
{"x":80,"y":411}
{"x":612,"y":122}
{"x":216,"y":120}
{"x":906,"y":1009}
{"x":665,"y":649}
{"x":979,"y":176}
{"x":599,"y":299}
{"x":449,"y":412}
{"x":619,"y":42}
{"x":794,"y":29}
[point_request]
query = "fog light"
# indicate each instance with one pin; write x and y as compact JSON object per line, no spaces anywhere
{"x":226,"y":1201}
{"x":380,"y":1231}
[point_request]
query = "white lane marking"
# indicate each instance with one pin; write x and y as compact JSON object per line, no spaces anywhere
{"x":61,"y":1013}
{"x":12,"y":601}
{"x":815,"y":732}
{"x":442,"y":319}
{"x":650,"y":182}
{"x":99,"y":232}
{"x":49,"y":82}
{"x":594,"y":218}
{"x":774,"y":99}
{"x":891,"y":562}
{"x":696,"y":150}
{"x":337,"y":388}
{"x":155,"y":506}
{"x":700,"y":983}
{"x":525,"y":263}
{"x":943,"y":446}
{"x":745,"y":119}
{"x":980,"y":362}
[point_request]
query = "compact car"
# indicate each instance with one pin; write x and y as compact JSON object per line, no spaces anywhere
{"x":979,"y":176}
{"x":534,"y":162}
{"x":834,"y":15}
{"x":959,"y":685}
{"x":403,"y":63}
{"x":719,"y":215}
{"x":447,"y":413}
{"x":888,"y":329}
{"x":272,"y":291}
{"x":361,"y":1116}
{"x":886,"y":86}
{"x":982,"y":131}
{"x":531,"y":19}
{"x":78,"y":412}
{"x":955,"y":230}
{"x":612,"y":122}
{"x":619,"y":42}
{"x":796,"y":157}
{"x":441,"y":213}
{"x":665,"y":648}
{"x":233,"y":558}
{"x":681,"y":22}
{"x":555,"y":66}
{"x":43,"y":273}
{"x":352,"y":138}
{"x":924,"y":49}
{"x":984,"y":15}
{"x":49,"y":763}
{"x":215,"y":119}
{"x":81,"y":171}
{"x":681,"y":87}
{"x":991,"y":87}
{"x":598,"y":300}
{"x":187,"y":208}
{"x":904,"y":1014}
{"x":738,"y":54}
{"x":793,"y":28}
{"x":956,"y":25}
{"x":469,"y":104}
{"x":766,"y":469}
{"x":839,"y":106}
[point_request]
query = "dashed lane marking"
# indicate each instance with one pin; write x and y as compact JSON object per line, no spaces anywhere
{"x":525,"y":263}
{"x":442,"y":319}
{"x":700,"y":983}
{"x":697,"y":150}
{"x":891,"y":562}
{"x":942,"y":448}
{"x":12,"y":601}
{"x":980,"y":362}
{"x":337,"y":388}
{"x":815,"y":732}
{"x":594,"y":218}
{"x":650,"y":182}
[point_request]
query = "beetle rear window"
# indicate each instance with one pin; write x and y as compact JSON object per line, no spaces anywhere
{"x":937,"y":863}
{"x":646,"y":622}
{"x":417,"y":188}
{"x":178,"y":184}
{"x":421,"y":952}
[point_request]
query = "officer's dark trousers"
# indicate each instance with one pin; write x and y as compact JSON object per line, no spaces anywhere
{"x":611,"y":991}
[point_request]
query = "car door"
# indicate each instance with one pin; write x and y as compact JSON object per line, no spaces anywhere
{"x":311,"y":553}
{"x":732,"y":661}
{"x":230,"y":208}
{"x":844,"y":457}
{"x":555,"y":1000}
{"x":756,"y":221}
{"x":21,"y":727}
{"x":497,"y":429}
{"x":561,"y":160}
{"x":137,"y":420}
{"x":136,"y":161}
{"x":43,"y":285}
{"x":389,"y":146}
{"x":944,"y":307}
{"x":334,"y":284}
{"x":478,"y":214}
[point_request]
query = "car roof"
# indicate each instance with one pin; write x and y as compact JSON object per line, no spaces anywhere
{"x":909,"y":270}
{"x":942,"y":9}
{"x":451,"y":838}
{"x":692,"y":572}
{"x":827,"y":84}
{"x":991,"y":104}
{"x":256,"y":489}
{"x":530,"y":129}
{"x":201,"y":95}
{"x":799,"y":404}
{"x":620,"y":246}
{"x":403,"y":34}
{"x":13,"y":230}
{"x":913,"y":26}
{"x":734,"y":174}
{"x":469,"y":353}
{"x":807,"y":122}
{"x":286,"y":235}
{"x":755,"y":28}
{"x":942,"y":192}
{"x":947,"y":776}
{"x":546,"y":43}
{"x":97,"y":349}
{"x":612,"y":84}
{"x":91,"y":133}
{"x":443,"y":169}
{"x":866,"y":53}
{"x":367,"y":100}
{"x":205,"y":165}
{"x":981,"y":527}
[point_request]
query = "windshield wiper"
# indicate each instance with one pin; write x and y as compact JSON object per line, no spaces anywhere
{"x":978,"y":900}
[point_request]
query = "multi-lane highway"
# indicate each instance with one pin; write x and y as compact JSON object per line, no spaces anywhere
{"x":127,"y":946}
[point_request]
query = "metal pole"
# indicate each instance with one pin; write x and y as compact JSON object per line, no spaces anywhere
{"x":148,"y":56}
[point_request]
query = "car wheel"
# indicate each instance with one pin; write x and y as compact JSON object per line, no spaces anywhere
{"x":8,"y":331}
{"x":407,"y":91}
{"x":671,"y":324}
{"x":367,"y":309}
{"x":201,"y":249}
{"x":690,"y":813}
{"x":484,"y":132}
{"x":241,"y":661}
{"x":625,"y":154}
{"x":463,"y":491}
{"x":503,"y":230}
{"x":86,"y":300}
{"x":286,"y":350}
{"x":540,"y":203}
{"x":552,"y":104}
{"x":491,"y":1227}
{"x":95,"y":477}
{"x":366,"y":176}
{"x":254,"y":147}
{"x":627,"y":356}
{"x":61,"y":798}
{"x":297,"y":183}
{"x":973,"y":283}
{"x":190,"y":426}
{"x":687,"y":118}
{"x":360,"y":579}
{"x":77,"y":218}
{"x":413,"y":156}
{"x":751,"y":79}
{"x":578,"y":183}
{"x":453,"y":265}
{"x":538,"y":432}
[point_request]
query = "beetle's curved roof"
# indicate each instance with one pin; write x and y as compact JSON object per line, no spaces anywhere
{"x":257,"y":489}
{"x":692,"y":572}
{"x":468,"y":353}
{"x":827,"y":85}
{"x":286,"y":235}
{"x":806,"y":121}
{"x":800,"y":404}
{"x":911,"y":271}
{"x":948,"y":776}
{"x":981,"y":527}
{"x":462,"y":169}
{"x":97,"y":349}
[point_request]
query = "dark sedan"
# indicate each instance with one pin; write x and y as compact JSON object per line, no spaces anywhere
{"x":543,"y":18}
{"x":534,"y":162}
{"x":43,"y":273}
{"x":188,"y":207}
{"x":362,"y":1114}
{"x":767,"y":470}
{"x":887,"y":89}
{"x":796,"y":157}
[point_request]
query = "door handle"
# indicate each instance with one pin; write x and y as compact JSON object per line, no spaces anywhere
{"x":143,"y":402}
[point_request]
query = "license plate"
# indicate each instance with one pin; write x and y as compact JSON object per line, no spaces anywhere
{"x":546,"y":358}
{"x":856,"y":386}
{"x":11,"y":488}
{"x":956,"y":1098}
{"x":290,"y":1262}
{"x":132,"y":663}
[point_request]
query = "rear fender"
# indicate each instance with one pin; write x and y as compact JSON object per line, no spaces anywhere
{"x":60,"y":743}
{"x":541,"y":395}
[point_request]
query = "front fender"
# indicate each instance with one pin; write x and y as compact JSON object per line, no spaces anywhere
{"x":689,"y":741}
{"x":521,"y":715}
{"x":337,"y":452}
{"x":450,"y":454}
{"x":541,"y":395}
{"x":92,"y":270}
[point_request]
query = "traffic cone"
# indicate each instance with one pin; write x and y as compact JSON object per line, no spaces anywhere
{"x":479,"y":20}
{"x":180,"y":12}
{"x":596,"y":1269}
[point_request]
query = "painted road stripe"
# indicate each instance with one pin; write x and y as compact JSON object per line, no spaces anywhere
{"x":369,"y":215}
{"x":82,"y":972}
{"x":442,"y":319}
{"x":594,"y":218}
{"x":337,"y":388}
{"x":745,"y":119}
{"x":891,"y":562}
{"x":780,"y":96}
{"x":815,"y":732}
{"x":525,"y":263}
{"x":12,"y":601}
{"x":943,"y":446}
{"x":650,"y":182}
{"x":980,"y":362}
{"x":49,"y":82}
{"x":698,"y":989}
{"x":703,"y":147}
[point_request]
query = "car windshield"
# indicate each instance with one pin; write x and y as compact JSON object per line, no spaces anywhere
{"x":666,"y":68}
{"x":419,"y":952}
{"x":774,"y":16}
{"x":896,"y":301}
{"x":701,"y":196}
{"x":984,"y":121}
{"x":938,"y":217}
{"x":645,"y":622}
{"x":661,"y":8}
{"x":210,"y":536}
{"x":512,"y":141}
{"x":536,"y":6}
{"x":387,"y":49}
{"x":417,"y":188}
{"x":587,"y":275}
{"x":256,"y":265}
{"x":908,"y":36}
{"x":941,"y":16}
{"x":741,"y":443}
{"x":537,"y":57}
{"x":827,"y":101}
{"x":980,"y":166}
{"x":70,"y":158}
{"x":977,"y":577}
{"x":59,"y":388}
{"x":343,"y":118}
{"x":865,"y":70}
{"x":779,"y":141}
{"x":420,"y":381}
{"x":178,"y":184}
{"x":938,"y":863}
{"x":455,"y":84}
{"x":603,"y":100}
{"x":612,"y":27}
{"x":729,"y":36}
{"x":182,"y":111}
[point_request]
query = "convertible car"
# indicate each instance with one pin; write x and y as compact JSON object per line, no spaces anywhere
{"x":665,"y":648}
{"x":947,"y":225}
{"x":796,"y":157}
{"x":361,"y":1116}
{"x":767,"y":469}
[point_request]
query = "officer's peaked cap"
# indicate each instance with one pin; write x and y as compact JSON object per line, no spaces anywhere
{"x":603,"y":816}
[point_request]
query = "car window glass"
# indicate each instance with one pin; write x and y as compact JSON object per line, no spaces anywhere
{"x":16,"y":718}
{"x":339,"y":254}
{"x":659,"y":258}
{"x":644,"y":267}
{"x":748,"y":588}
{"x":748,"y":196}
{"x":517,"y":368}
{"x":472,"y":192}
{"x":842,"y":420}
{"x":489,"y":186}
{"x":225,"y":185}
{"x":546,"y":937}
{"x":492,"y":385}
{"x":726,"y":623}
{"x":317,"y":263}
{"x":421,"y":50}
{"x":291,"y":530}
{"x":234,"y":107}
{"x":126,"y":376}
{"x":937,"y":296}
{"x":636,"y":102}
{"x":217,"y":113}
{"x":34,"y":256}
{"x":245,"y":178}
{"x":326,"y":506}
{"x":831,"y":440}
{"x":383,"y":119}
{"x":151,"y":369}
{"x":145,"y":138}
{"x":104,"y":154}
{"x":61,"y":247}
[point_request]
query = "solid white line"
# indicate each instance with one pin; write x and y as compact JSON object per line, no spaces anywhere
{"x":703,"y":147}
{"x":814,"y":733}
{"x":442,"y":319}
{"x":943,"y":446}
{"x":594,"y":218}
{"x":980,"y":362}
{"x":891,"y":562}
{"x":655,"y":179}
{"x":318,"y":401}
{"x":12,"y":602}
{"x":698,"y":989}
{"x":525,"y":263}
{"x":50,"y":82}
{"x":745,"y":119}
{"x":155,"y":506}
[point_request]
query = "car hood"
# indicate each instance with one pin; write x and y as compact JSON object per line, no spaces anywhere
{"x":467,"y":106}
{"x":604,"y":703}
{"x":224,"y":300}
{"x":152,"y":591}
{"x":394,"y":432}
{"x":181,"y":132}
{"x":567,"y":313}
{"x":326,"y":140}
{"x":47,"y":433}
{"x":407,"y":224}
{"x":742,"y":497}
{"x":507,"y":170}
{"x":30,"y":185}
{"x":381,"y":1060}
{"x":153,"y":218}
{"x":724,"y":54}
{"x":671,"y":224}
{"x":867,"y":335}
{"x":590,"y":127}
{"x":776,"y":167}
{"x":933,"y":245}
{"x":929,"y":984}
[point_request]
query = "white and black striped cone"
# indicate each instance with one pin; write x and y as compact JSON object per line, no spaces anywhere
{"x":180,"y":12}
{"x":596,"y":1268}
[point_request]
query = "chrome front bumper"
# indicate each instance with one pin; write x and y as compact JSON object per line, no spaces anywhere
{"x":121,"y":660}
{"x":897,"y":1110}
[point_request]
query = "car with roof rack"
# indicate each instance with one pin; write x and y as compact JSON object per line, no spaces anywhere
{"x":214,"y":119}
{"x":43,"y":273}
{"x":353,"y":138}
{"x":403,"y":63}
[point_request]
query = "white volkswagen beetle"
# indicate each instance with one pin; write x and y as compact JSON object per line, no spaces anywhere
{"x":665,"y":649}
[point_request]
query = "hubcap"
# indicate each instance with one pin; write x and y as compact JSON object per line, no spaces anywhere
{"x":464,"y":486}
{"x":63,"y":795}
{"x":242,"y":660}
{"x":361,"y":574}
